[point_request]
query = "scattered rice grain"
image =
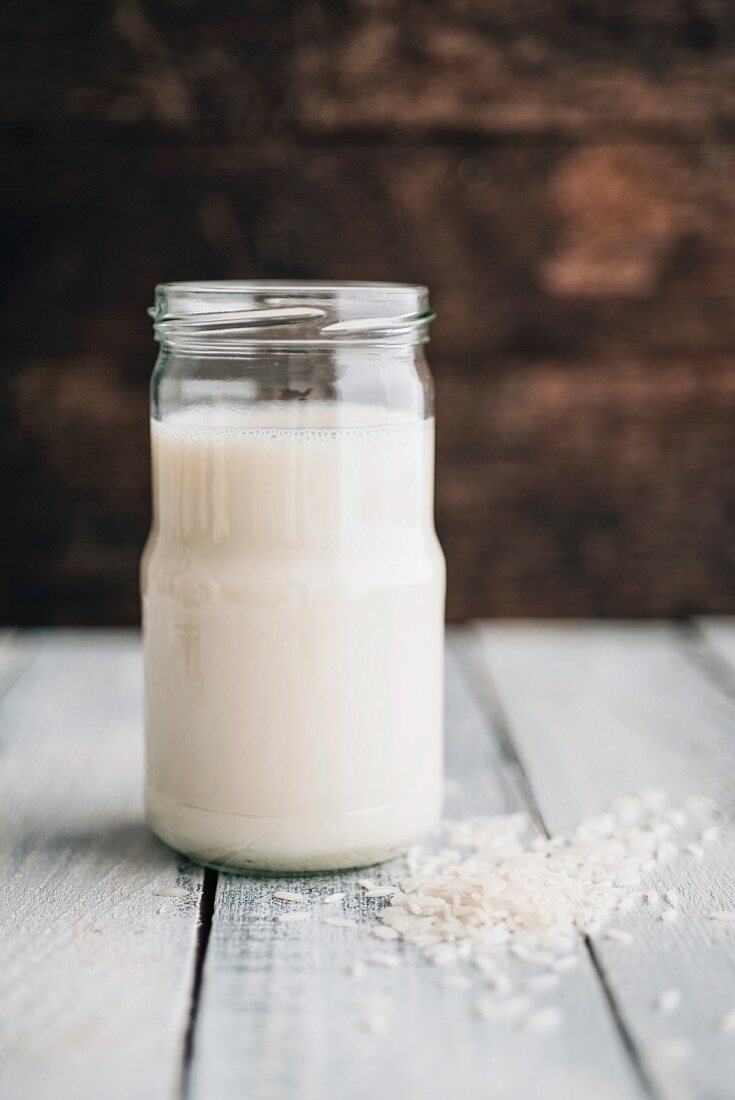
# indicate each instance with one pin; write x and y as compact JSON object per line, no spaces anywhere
{"x":380,"y":958}
{"x":382,"y":932}
{"x":542,"y":1019}
{"x":669,"y":1001}
{"x":619,"y":935}
{"x":542,"y":981}
{"x":727,"y":1022}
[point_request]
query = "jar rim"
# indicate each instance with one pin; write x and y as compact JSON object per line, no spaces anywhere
{"x":289,"y":310}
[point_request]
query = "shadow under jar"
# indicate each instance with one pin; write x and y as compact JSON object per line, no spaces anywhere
{"x":292,"y":584}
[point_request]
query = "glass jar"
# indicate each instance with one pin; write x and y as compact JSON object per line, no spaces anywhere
{"x":292,"y":583}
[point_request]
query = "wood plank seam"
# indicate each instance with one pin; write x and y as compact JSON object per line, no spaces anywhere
{"x":600,"y":710}
{"x":207,"y":900}
{"x":282,"y":1012}
{"x":485,"y":691}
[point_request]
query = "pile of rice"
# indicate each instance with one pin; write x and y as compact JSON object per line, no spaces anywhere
{"x":496,"y":889}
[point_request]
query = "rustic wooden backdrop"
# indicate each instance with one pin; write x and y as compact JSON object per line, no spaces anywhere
{"x":562,"y":175}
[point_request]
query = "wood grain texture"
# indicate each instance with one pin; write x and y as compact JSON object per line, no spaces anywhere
{"x":95,"y":965}
{"x":600,"y":711}
{"x":518,"y":70}
{"x":281,"y":1016}
{"x":560,"y":175}
{"x":572,"y":431}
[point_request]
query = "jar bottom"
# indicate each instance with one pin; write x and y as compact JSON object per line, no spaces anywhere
{"x":241,"y":844}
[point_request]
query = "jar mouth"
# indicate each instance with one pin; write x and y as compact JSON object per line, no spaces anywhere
{"x":271,"y":311}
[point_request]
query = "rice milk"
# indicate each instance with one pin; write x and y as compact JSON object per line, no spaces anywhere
{"x":293,"y":597}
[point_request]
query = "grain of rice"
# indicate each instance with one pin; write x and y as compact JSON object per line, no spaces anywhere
{"x":710,"y":834}
{"x":288,"y":895}
{"x":379,"y":958}
{"x":376,"y":1023}
{"x":619,"y":935}
{"x":669,"y":1001}
{"x":334,"y":897}
{"x":502,"y":1011}
{"x":292,"y":918}
{"x":367,"y":884}
{"x":727,"y":1022}
{"x":695,"y":851}
{"x":382,"y":932}
{"x":567,"y":962}
{"x":542,"y":981}
{"x":501,"y":983}
{"x":723,"y":916}
{"x":542,"y":1019}
{"x":381,"y":892}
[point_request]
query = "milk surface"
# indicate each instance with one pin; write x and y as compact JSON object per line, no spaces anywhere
{"x":293,"y":596}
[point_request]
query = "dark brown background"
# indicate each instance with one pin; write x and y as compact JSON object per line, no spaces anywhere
{"x":562,"y":175}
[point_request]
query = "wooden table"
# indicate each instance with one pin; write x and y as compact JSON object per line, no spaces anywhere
{"x":112,"y":986}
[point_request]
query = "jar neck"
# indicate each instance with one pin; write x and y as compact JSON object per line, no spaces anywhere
{"x":394,"y":378}
{"x":238,"y":318}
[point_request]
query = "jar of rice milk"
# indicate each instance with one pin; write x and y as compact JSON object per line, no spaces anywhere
{"x":292,"y":583}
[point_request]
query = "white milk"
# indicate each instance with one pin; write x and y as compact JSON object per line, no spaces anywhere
{"x":293,"y":597}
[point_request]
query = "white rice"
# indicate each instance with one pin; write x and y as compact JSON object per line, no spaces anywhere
{"x":381,"y":932}
{"x":497,"y":888}
{"x":669,"y":1001}
{"x":379,"y":958}
{"x":542,"y":1019}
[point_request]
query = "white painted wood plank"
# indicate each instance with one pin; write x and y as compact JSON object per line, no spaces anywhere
{"x":597,"y":711}
{"x":281,"y":1016}
{"x":719,"y":632}
{"x":95,"y":966}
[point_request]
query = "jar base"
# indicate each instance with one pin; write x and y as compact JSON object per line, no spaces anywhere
{"x":241,"y":844}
